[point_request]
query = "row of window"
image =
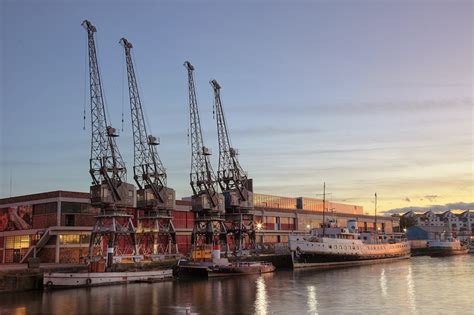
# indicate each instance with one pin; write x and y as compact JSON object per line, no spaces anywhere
{"x":17,"y":242}
{"x":76,"y":207}
{"x":66,"y":207}
{"x":23,"y":241}
{"x":65,"y":239}
{"x":45,"y":208}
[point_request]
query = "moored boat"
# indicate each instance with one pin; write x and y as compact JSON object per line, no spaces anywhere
{"x":328,"y":247}
{"x":446,"y":247}
{"x":208,"y":263}
{"x":222,"y":268}
{"x":241,"y":268}
{"x":53,"y":280}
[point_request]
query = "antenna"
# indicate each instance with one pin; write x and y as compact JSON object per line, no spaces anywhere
{"x":324,"y":209}
{"x":375,"y":219}
{"x":10,"y":183}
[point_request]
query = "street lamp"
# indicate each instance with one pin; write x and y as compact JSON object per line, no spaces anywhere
{"x":259,"y":228}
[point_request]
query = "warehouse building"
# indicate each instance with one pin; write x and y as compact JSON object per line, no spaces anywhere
{"x":56,"y":226}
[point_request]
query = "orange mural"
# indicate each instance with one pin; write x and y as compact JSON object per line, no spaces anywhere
{"x":16,"y":218}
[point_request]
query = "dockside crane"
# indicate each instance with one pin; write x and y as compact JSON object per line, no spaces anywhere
{"x":207,"y":203}
{"x":109,"y":190}
{"x":234,"y":182}
{"x":155,"y":200}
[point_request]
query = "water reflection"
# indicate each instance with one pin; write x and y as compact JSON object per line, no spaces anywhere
{"x":411,"y":291}
{"x":383,"y":283}
{"x":312,"y":302}
{"x":420,"y":285}
{"x":261,"y":302}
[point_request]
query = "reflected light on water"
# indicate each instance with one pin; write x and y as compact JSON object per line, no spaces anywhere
{"x":18,"y":311}
{"x":261,"y":300}
{"x":312,"y":301}
{"x":383,"y":283}
{"x":411,"y":291}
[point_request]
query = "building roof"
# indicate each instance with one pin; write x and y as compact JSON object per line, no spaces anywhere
{"x":45,"y":195}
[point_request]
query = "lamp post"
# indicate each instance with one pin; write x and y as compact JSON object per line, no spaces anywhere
{"x":259,"y":228}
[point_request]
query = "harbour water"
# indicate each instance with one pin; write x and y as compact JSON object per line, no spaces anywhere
{"x":421,"y":285}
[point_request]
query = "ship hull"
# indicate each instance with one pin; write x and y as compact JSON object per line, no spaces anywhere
{"x":206,"y":270}
{"x":53,"y":280}
{"x":343,"y":250}
{"x":443,"y":252}
{"x":332,"y":262}
{"x":241,"y":269}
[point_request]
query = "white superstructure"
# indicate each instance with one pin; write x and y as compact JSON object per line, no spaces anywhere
{"x":344,"y":245}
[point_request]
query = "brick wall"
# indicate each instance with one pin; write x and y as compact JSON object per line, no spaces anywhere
{"x":183,"y":219}
{"x":11,"y":253}
{"x":72,"y":255}
{"x":80,"y":219}
{"x":47,"y":255}
{"x":43,"y":221}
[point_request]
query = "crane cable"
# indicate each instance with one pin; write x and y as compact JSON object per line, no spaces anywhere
{"x":123,"y":88}
{"x":85,"y":83}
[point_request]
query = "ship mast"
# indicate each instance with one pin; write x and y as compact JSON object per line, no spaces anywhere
{"x":375,"y":219}
{"x":324,"y":209}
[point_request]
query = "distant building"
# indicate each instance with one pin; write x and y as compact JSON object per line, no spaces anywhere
{"x":461,"y":222}
{"x":57,"y":225}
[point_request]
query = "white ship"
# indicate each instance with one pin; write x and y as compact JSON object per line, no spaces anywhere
{"x":334,"y":246}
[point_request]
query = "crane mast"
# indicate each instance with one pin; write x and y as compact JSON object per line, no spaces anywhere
{"x":153,"y":196}
{"x":207,"y":203}
{"x":230,"y":175}
{"x":235,"y":185}
{"x":107,"y":168}
{"x":109,"y":191}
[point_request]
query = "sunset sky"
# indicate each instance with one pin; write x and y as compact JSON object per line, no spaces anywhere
{"x":367,"y":96}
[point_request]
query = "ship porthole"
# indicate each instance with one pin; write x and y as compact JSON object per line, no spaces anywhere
{"x":88,"y":281}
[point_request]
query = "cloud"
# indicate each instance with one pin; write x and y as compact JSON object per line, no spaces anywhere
{"x":431,"y":197}
{"x":357,"y":108}
{"x":407,"y":199}
{"x":435,"y":208}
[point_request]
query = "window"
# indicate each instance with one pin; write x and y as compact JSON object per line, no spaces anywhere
{"x":70,"y":207}
{"x":17,"y":242}
{"x":69,"y":239}
{"x":65,"y":239}
{"x":45,"y":208}
{"x":69,"y":220}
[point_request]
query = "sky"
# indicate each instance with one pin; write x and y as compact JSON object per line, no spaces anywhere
{"x":367,"y":96}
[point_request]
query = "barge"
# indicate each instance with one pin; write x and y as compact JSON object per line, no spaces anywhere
{"x":223,"y":268}
{"x":52,"y":280}
{"x":208,"y":263}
